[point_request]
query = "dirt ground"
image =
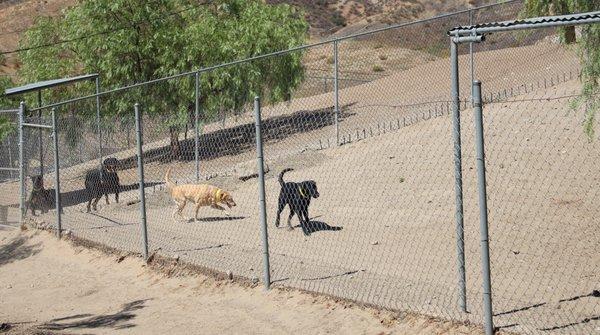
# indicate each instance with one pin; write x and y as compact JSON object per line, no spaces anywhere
{"x":384,"y":227}
{"x":54,"y":287}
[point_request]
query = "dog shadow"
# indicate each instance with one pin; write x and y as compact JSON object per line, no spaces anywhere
{"x":80,"y":196}
{"x":314,"y":226}
{"x":216,"y":219}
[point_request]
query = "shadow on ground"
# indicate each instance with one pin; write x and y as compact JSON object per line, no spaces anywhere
{"x":595,"y":294}
{"x":239,"y":139}
{"x":17,"y":249}
{"x":119,"y":320}
{"x":314,"y":226}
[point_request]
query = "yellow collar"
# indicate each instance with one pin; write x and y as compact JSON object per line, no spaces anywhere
{"x":218,"y":195}
{"x":302,"y":192}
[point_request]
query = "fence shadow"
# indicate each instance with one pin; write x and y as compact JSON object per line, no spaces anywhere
{"x":118,"y":320}
{"x":239,"y":139}
{"x":74,"y":198}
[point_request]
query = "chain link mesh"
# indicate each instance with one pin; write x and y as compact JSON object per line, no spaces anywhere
{"x":382,"y":230}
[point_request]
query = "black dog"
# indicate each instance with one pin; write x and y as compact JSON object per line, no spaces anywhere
{"x":297,"y":196}
{"x":102,"y":182}
{"x":40,"y":198}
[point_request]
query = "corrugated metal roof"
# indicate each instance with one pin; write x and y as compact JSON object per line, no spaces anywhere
{"x":538,"y":21}
{"x":47,"y":84}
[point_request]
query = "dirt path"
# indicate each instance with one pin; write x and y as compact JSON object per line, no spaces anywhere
{"x":52,"y":287}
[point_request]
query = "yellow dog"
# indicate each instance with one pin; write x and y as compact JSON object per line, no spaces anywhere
{"x":200,"y":194}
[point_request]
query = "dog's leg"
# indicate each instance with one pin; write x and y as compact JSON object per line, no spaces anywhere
{"x":289,"y":222}
{"x":117,"y":195}
{"x":216,"y":206}
{"x":95,"y":202}
{"x":179,"y":206}
{"x":304,"y":221}
{"x":106,"y":197}
{"x":280,"y":208}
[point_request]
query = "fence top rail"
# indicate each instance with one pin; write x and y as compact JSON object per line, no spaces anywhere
{"x":47,"y":84}
{"x":272,"y":54}
{"x":533,"y":23}
{"x":8,"y":111}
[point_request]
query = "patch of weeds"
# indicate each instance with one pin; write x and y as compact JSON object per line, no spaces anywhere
{"x":378,"y":68}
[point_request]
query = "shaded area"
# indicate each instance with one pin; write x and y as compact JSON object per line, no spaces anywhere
{"x":572,"y":324}
{"x":17,"y":249}
{"x":202,"y":248}
{"x":118,"y":320}
{"x":521,"y":309}
{"x":593,"y":294}
{"x":73,"y":198}
{"x":347,"y":273}
{"x":316,"y":226}
{"x":239,"y":139}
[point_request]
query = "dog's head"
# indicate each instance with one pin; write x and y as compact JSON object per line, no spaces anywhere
{"x":37,"y":182}
{"x":310,"y":188}
{"x":111,"y":164}
{"x":225,"y":197}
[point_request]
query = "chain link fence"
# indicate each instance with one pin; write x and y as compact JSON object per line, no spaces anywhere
{"x":9,"y":166}
{"x":372,"y":128}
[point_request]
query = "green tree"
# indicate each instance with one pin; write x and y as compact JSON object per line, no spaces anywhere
{"x":131,"y":41}
{"x":7,"y":125}
{"x":589,"y":48}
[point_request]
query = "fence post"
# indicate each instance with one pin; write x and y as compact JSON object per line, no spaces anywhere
{"x":196,"y":125}
{"x":10,"y":158}
{"x":99,"y":123}
{"x":139,"y":137}
{"x":40,"y":141}
{"x":21,"y":162}
{"x":483,"y":211}
{"x":471,"y":61}
{"x":261,"y":195}
{"x":460,"y":244}
{"x":336,"y":92}
{"x":57,"y":201}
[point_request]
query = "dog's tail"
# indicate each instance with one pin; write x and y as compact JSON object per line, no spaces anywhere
{"x":281,"y":182}
{"x":168,"y":179}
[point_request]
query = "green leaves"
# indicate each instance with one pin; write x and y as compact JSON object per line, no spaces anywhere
{"x":589,"y":50}
{"x":131,"y":41}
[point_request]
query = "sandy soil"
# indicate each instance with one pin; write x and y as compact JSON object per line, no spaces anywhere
{"x":53,"y":287}
{"x":385,"y":221}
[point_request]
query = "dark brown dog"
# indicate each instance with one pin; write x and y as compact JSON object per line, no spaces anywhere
{"x":102,"y":182}
{"x":40,"y":198}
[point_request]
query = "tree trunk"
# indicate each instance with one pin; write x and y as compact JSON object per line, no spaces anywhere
{"x":175,"y":145}
{"x":570,"y":36}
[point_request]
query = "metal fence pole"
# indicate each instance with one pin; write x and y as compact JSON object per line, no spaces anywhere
{"x":40,"y":141}
{"x":460,"y":247}
{"x":336,"y":91}
{"x":471,"y":62}
{"x":483,"y":212}
{"x":139,"y":137}
{"x":196,"y":125}
{"x":10,"y":158}
{"x":99,"y":123}
{"x":261,"y":195}
{"x":56,"y":176}
{"x":21,"y":162}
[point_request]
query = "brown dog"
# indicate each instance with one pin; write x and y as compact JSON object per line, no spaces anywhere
{"x":200,"y":194}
